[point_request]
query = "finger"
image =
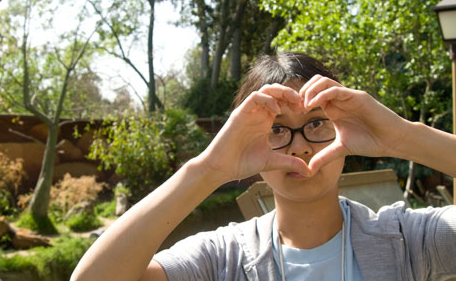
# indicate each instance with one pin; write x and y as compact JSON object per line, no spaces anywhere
{"x":281,"y":92}
{"x":332,"y":93}
{"x":280,"y":161}
{"x":257,"y":99}
{"x":309,"y":83}
{"x":325,"y":156}
{"x":318,"y":86}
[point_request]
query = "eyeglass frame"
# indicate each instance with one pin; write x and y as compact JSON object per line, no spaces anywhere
{"x":301,"y":130}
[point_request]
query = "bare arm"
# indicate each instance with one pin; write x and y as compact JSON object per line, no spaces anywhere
{"x":241,"y":149}
{"x":124,"y":251}
{"x":428,"y":146}
{"x":366,"y":127}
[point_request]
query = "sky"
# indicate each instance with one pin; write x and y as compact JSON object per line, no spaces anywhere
{"x":170,"y":45}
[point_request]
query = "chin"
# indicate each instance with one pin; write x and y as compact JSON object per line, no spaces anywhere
{"x":306,"y":192}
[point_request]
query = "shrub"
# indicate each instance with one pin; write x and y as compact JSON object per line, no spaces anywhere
{"x":146,"y":150}
{"x":106,"y":209}
{"x":41,"y":225}
{"x":84,"y":221}
{"x":11,"y":175}
{"x":70,"y":191}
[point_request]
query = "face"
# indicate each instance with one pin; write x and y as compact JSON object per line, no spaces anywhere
{"x":293,"y":186}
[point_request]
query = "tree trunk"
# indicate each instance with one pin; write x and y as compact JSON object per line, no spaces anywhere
{"x":152,"y":101}
{"x":202,"y":25}
{"x":41,"y":196}
{"x":235,"y":66}
{"x":274,"y":29}
{"x":217,"y":60}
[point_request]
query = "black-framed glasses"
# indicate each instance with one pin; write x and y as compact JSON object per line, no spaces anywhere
{"x":315,"y":131}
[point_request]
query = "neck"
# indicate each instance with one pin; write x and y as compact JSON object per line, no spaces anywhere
{"x":306,"y":225}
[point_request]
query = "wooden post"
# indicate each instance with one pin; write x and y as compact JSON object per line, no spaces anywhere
{"x":453,"y":67}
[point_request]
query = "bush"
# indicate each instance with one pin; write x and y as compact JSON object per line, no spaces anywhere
{"x":41,"y":225}
{"x":84,"y":221}
{"x":11,"y":175}
{"x":146,"y":150}
{"x":106,"y":209}
{"x":70,"y":191}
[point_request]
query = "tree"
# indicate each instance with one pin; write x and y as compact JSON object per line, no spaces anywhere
{"x":43,"y":81}
{"x":391,"y":49}
{"x":122,"y":31}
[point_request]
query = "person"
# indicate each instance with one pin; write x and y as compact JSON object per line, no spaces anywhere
{"x":294,"y":124}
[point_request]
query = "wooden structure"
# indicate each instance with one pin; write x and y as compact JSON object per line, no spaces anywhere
{"x":372,"y":188}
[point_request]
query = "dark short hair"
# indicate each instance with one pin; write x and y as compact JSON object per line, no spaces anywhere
{"x":281,"y":68}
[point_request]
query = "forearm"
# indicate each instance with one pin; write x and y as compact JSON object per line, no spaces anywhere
{"x":430,"y":147}
{"x":126,"y":248}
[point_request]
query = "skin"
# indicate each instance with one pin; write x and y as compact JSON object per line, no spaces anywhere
{"x":302,"y":175}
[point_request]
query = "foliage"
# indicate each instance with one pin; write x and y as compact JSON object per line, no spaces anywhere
{"x":70,"y":191}
{"x":58,"y":261}
{"x":84,"y":221}
{"x":38,"y":224}
{"x":146,"y":150}
{"x":106,"y":209}
{"x":205,"y":101}
{"x":11,"y":175}
{"x":219,"y":200}
{"x":391,"y":49}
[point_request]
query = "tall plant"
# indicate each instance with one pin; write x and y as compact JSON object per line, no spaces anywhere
{"x":146,"y":150}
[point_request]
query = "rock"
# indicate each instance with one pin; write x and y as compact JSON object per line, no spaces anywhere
{"x":83,"y":207}
{"x":40,"y":132}
{"x":25,"y":239}
{"x":96,"y":233}
{"x":68,"y":151}
{"x":121,"y":204}
{"x":4,"y":227}
{"x":76,"y":169}
{"x":30,"y":152}
{"x":85,"y":141}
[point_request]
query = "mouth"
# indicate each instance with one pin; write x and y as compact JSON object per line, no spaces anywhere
{"x":295,"y":175}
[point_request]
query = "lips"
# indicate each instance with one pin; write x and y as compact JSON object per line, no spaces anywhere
{"x":296,"y":175}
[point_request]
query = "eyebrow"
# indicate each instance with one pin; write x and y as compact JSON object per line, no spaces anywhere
{"x":312,"y":110}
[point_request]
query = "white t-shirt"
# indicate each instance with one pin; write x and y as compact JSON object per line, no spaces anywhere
{"x":322,"y":263}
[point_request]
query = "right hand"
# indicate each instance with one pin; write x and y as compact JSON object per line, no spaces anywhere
{"x":241,"y":148}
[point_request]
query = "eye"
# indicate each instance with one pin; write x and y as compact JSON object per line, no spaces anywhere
{"x":277,"y":130}
{"x":316,"y":124}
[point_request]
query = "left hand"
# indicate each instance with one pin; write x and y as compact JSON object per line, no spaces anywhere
{"x":364,"y":126}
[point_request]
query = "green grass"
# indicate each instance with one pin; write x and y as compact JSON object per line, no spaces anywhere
{"x":106,"y":209}
{"x":83,"y":222}
{"x":40,"y":225}
{"x":58,"y":261}
{"x":218,"y":200}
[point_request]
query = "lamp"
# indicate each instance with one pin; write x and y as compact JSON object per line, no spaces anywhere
{"x":446,"y":13}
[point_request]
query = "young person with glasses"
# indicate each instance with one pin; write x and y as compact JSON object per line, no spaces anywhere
{"x":294,"y":124}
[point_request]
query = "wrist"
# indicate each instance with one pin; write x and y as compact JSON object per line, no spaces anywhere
{"x":200,"y":166}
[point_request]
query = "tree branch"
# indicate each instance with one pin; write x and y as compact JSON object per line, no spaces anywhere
{"x":26,"y":136}
{"x":26,"y":84}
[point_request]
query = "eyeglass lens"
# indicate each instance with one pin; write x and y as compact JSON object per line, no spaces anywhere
{"x":317,"y":131}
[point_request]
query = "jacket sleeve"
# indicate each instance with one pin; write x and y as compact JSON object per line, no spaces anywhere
{"x":193,"y":258}
{"x":442,"y":245}
{"x":212,"y":255}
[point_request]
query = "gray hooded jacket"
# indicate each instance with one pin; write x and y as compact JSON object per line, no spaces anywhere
{"x":394,"y":244}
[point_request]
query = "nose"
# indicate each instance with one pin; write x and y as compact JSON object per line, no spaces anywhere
{"x":299,"y":146}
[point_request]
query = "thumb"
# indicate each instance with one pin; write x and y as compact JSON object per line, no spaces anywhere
{"x":328,"y":154}
{"x":279,"y":161}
